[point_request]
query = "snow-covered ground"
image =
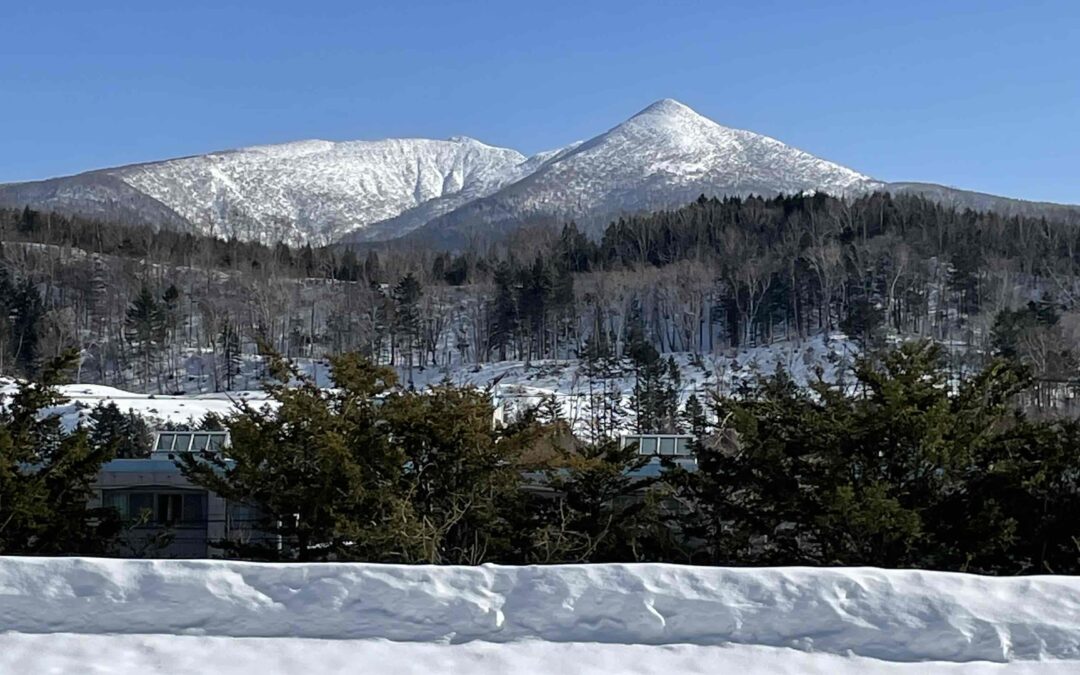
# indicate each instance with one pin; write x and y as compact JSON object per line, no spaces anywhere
{"x":140,"y":616}
{"x":515,"y":384}
{"x":156,"y":408}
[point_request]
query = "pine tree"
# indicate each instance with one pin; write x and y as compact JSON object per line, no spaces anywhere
{"x":503,"y":311}
{"x":656,"y":382}
{"x":211,"y":421}
{"x":574,"y":250}
{"x":461,"y":474}
{"x":534,"y":299}
{"x":407,"y":294}
{"x":602,"y":370}
{"x":170,"y":312}
{"x":694,"y":416}
{"x":7,"y":294}
{"x":146,"y":330}
{"x":28,"y":221}
{"x":26,"y":313}
{"x":231,"y":353}
{"x":457,"y":271}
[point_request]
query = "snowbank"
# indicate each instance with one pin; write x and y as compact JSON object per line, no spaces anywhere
{"x":24,"y":654}
{"x":888,"y":616}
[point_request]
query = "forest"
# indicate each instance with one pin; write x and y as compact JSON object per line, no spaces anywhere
{"x":169,"y":312}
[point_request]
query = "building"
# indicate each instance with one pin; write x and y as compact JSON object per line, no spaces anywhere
{"x":165,"y":515}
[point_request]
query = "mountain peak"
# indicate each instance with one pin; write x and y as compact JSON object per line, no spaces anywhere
{"x":668,"y":107}
{"x":319,"y":191}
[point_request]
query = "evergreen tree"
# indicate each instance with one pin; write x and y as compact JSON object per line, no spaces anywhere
{"x":7,"y":294}
{"x":534,"y":296}
{"x":146,"y":330}
{"x":231,"y":353}
{"x":212,"y":422}
{"x":46,"y":475}
{"x":407,"y":294}
{"x":461,"y":474}
{"x":126,"y":435}
{"x":26,"y":312}
{"x":694,"y":416}
{"x":574,"y":251}
{"x":603,"y":369}
{"x":896,"y":471}
{"x":656,"y":382}
{"x":28,"y":221}
{"x":965,"y":266}
{"x":863,"y":323}
{"x":320,"y":469}
{"x":603,"y":509}
{"x":503,"y":312}
{"x":457,"y":271}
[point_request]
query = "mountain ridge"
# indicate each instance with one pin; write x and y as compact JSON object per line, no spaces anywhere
{"x":448,"y":191}
{"x":664,"y":156}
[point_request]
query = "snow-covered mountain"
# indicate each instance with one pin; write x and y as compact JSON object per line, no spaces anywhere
{"x":320,"y":192}
{"x":317,"y":191}
{"x":663,"y":157}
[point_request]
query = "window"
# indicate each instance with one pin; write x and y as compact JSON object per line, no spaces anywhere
{"x":194,"y":508}
{"x":116,"y":500}
{"x":188,"y":441}
{"x":140,"y":505}
{"x":667,"y":446}
{"x":158,"y":508}
{"x":170,"y":509}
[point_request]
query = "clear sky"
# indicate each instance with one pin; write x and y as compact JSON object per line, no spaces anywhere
{"x":977,"y":94}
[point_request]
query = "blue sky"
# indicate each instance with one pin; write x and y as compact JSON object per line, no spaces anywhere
{"x":982,"y":95}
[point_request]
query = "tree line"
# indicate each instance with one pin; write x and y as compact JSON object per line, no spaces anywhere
{"x":901,"y":465}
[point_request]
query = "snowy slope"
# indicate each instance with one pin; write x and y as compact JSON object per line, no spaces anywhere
{"x":316,"y":191}
{"x":663,"y":157}
{"x":123,"y":615}
{"x":320,"y":191}
{"x":424,"y":213}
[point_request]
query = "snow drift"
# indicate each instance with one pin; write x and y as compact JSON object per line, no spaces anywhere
{"x":894,"y":616}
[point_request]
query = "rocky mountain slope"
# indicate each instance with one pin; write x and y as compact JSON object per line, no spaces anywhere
{"x":305,"y":192}
{"x":445,"y":192}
